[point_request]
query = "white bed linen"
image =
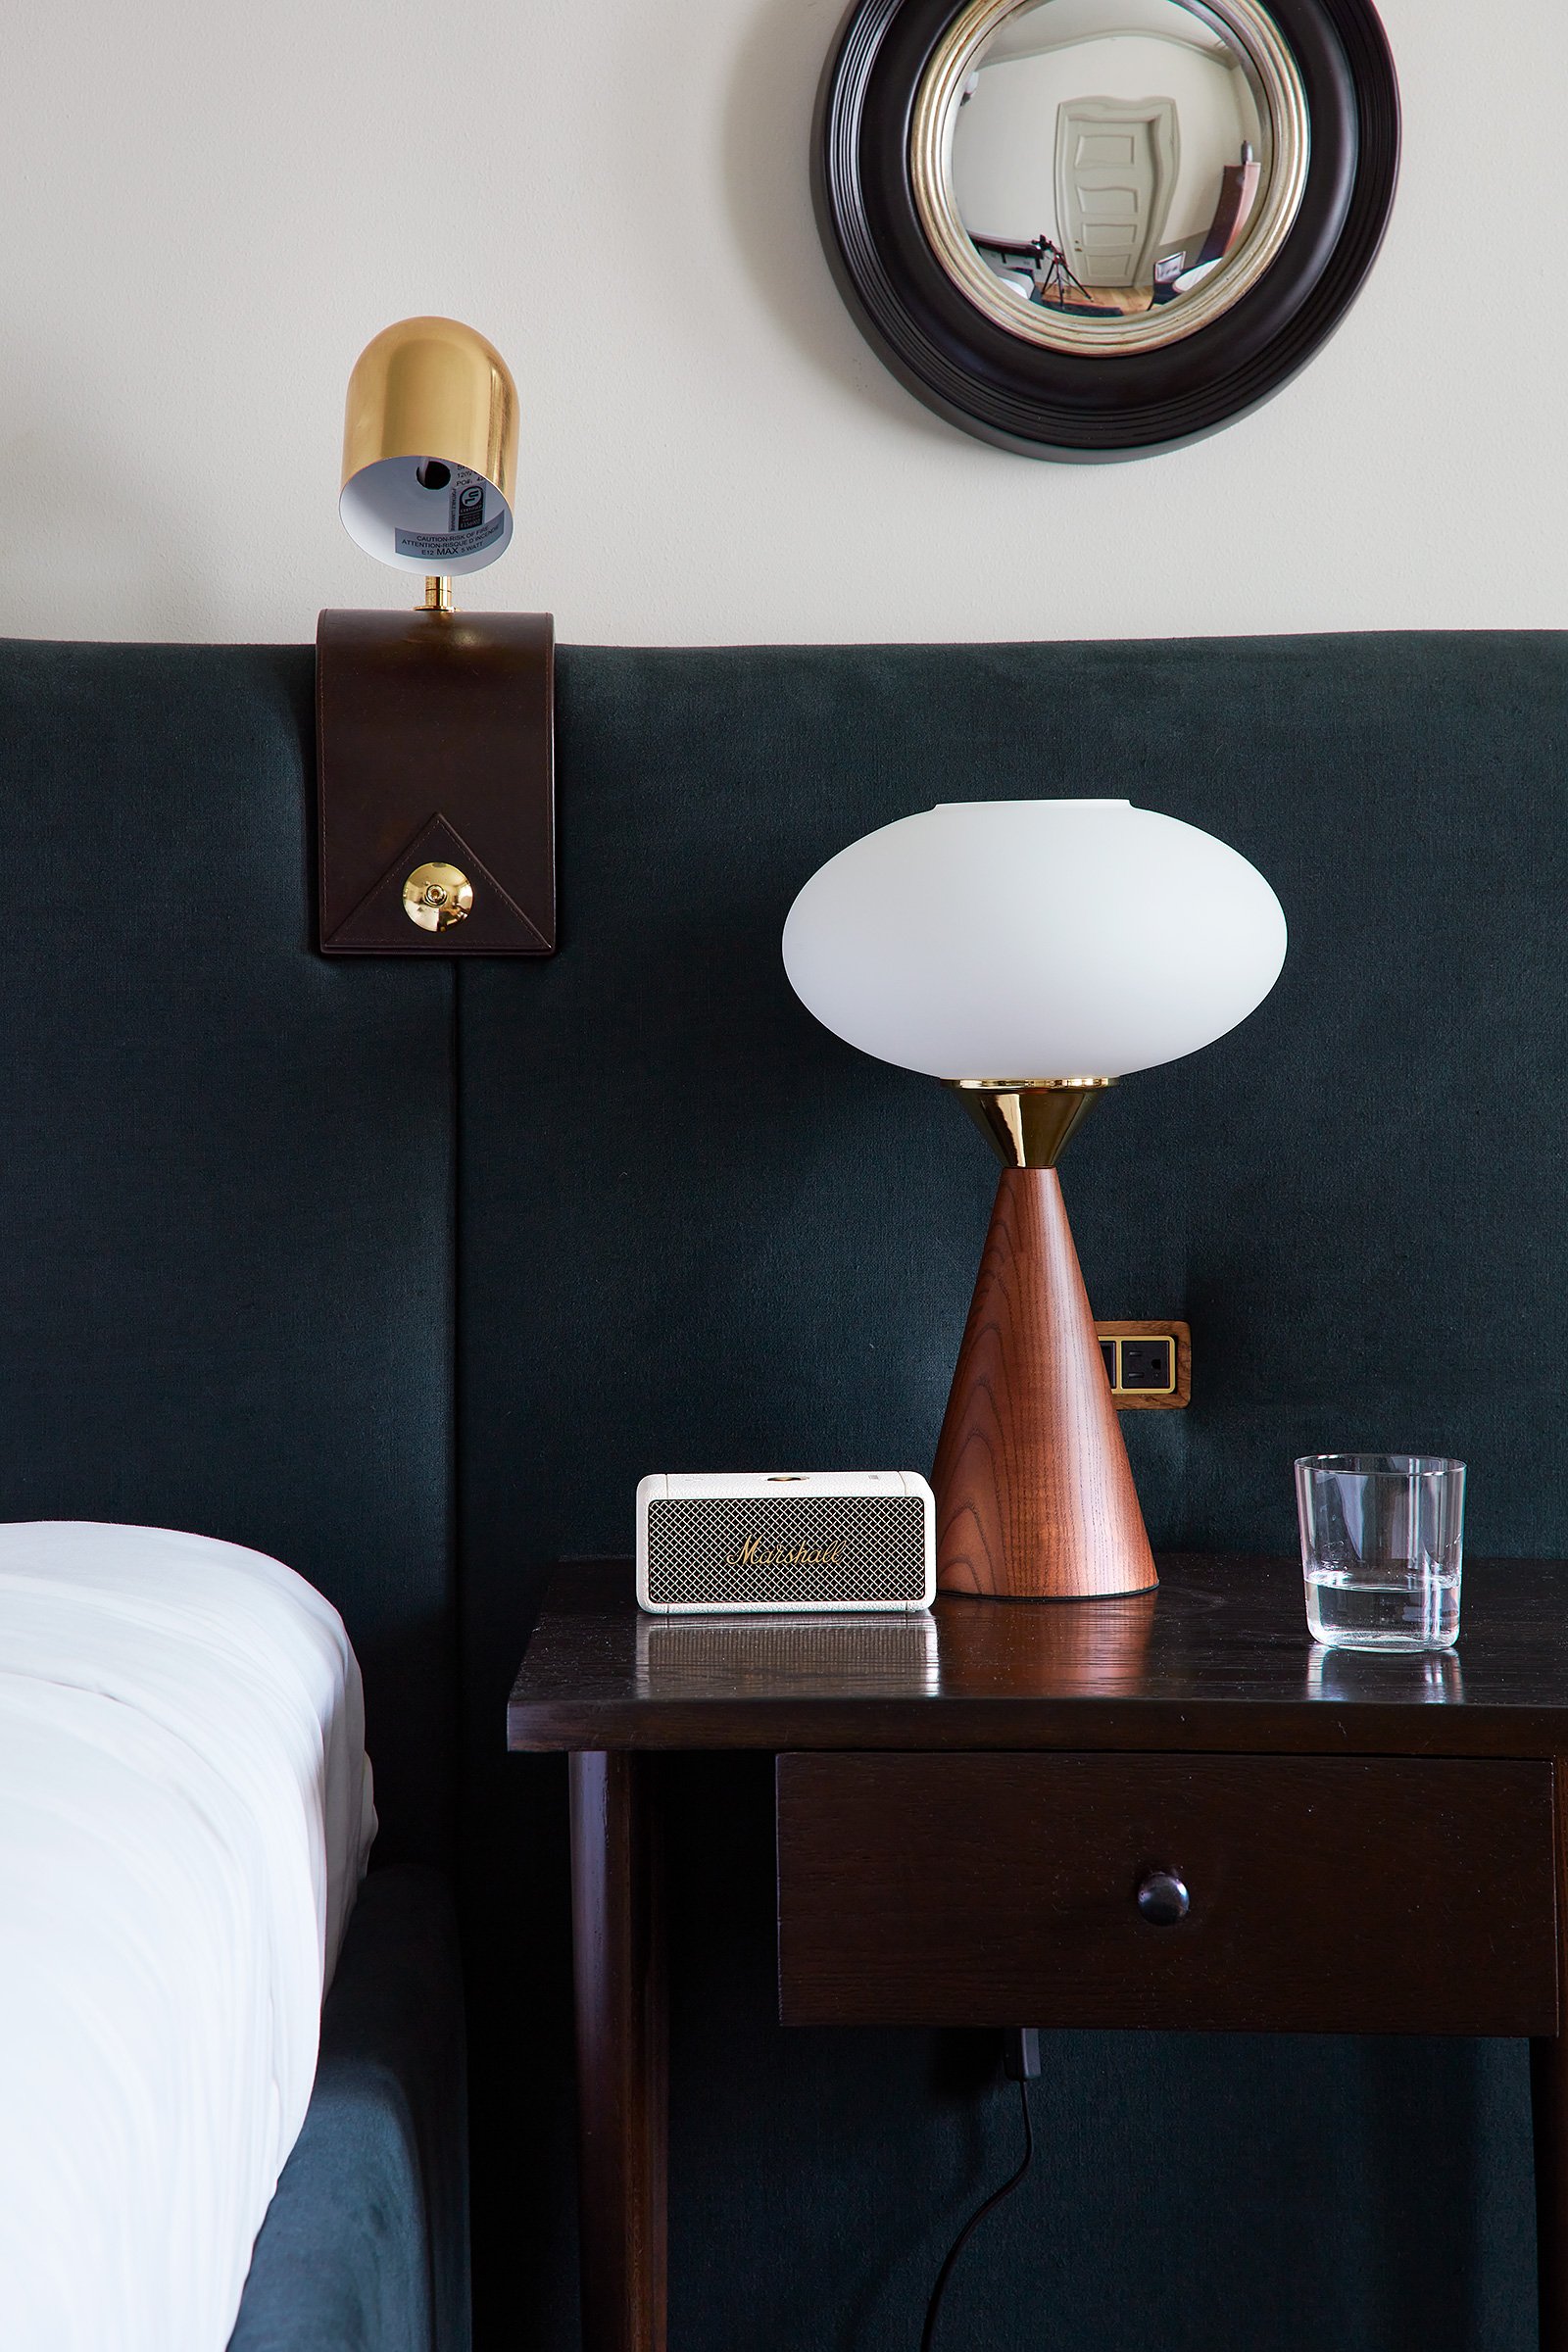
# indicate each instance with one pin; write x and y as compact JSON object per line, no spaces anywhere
{"x":184,"y":1815}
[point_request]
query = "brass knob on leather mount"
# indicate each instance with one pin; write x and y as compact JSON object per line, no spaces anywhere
{"x":436,"y":897}
{"x":1164,"y":1899}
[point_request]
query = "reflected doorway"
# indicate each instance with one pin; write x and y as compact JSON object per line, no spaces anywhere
{"x":1116,"y":164}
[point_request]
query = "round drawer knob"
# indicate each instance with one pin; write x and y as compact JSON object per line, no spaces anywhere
{"x":1164,"y":1899}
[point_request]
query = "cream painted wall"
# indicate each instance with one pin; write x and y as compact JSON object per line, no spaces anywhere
{"x":209,"y":210}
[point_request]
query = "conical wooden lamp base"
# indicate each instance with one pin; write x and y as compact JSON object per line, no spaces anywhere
{"x":1034,"y":1495}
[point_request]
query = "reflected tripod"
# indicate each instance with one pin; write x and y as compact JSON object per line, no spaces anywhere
{"x":1053,"y":280}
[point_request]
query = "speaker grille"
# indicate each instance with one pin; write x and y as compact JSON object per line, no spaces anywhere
{"x":695,"y":1548}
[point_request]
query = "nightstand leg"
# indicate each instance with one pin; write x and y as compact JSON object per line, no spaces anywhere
{"x":1549,"y":2105}
{"x":618,"y":1957}
{"x":1548,"y":2102}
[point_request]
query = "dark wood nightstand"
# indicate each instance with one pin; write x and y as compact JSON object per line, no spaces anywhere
{"x":1165,"y":1811}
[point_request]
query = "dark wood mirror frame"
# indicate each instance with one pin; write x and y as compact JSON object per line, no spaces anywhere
{"x":1047,"y":403}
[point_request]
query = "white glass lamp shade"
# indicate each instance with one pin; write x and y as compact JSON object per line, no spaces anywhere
{"x":1034,"y":939}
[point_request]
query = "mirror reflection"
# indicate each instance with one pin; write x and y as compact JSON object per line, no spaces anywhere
{"x":1108,"y":157}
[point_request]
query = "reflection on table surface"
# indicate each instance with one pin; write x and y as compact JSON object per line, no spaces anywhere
{"x":857,"y":1656}
{"x":1222,"y":1635}
{"x":1435,"y":1674}
{"x":965,"y":1648}
{"x":1059,"y":1649}
{"x":969,"y":1649}
{"x":1108,"y":156}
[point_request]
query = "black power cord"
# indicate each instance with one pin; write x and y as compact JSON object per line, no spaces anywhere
{"x":1021,"y":2071}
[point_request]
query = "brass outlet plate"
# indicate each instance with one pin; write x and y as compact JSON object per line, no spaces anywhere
{"x":1140,"y":1381}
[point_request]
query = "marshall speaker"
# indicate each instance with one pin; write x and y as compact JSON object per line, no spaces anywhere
{"x":752,"y":1540}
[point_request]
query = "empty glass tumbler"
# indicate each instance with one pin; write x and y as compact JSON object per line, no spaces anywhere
{"x":1382,"y":1546}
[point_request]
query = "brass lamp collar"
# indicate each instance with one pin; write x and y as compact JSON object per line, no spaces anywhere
{"x":1028,"y":1121}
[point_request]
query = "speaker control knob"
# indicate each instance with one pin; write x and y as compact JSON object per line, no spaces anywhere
{"x":1164,"y":1899}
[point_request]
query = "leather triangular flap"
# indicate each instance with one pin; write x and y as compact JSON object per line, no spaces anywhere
{"x":494,"y":925}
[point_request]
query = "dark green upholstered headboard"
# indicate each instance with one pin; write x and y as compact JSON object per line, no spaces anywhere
{"x":408,"y":1275}
{"x":699,"y":1229}
{"x":226,"y":1189}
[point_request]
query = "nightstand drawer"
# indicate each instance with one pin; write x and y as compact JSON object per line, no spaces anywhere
{"x":1215,"y":1893}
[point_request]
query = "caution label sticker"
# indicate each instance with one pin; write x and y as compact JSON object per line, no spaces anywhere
{"x":468,"y":528}
{"x":431,"y":544}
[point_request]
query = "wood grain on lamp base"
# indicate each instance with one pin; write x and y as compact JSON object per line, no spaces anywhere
{"x":1034,"y":1495}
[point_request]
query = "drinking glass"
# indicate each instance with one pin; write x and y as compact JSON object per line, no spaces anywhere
{"x":1382,"y":1546}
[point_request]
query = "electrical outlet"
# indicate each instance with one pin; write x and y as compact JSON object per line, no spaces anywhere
{"x":1147,"y":1363}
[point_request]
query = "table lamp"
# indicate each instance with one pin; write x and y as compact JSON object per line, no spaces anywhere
{"x":1068,"y":943}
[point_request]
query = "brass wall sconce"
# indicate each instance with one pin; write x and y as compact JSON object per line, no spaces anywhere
{"x":435,"y":757}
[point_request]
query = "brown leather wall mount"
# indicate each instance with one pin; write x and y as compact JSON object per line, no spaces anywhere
{"x":435,"y":748}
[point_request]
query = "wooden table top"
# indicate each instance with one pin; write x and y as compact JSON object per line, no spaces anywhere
{"x":1217,"y":1659}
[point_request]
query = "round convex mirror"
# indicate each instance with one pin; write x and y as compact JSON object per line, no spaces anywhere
{"x":1104,"y":176}
{"x":1096,"y":228}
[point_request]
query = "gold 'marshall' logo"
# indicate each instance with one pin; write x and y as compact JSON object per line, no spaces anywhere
{"x":754,"y":1553}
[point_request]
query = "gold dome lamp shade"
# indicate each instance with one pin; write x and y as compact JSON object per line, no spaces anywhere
{"x":434,"y":730}
{"x":430,"y":449}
